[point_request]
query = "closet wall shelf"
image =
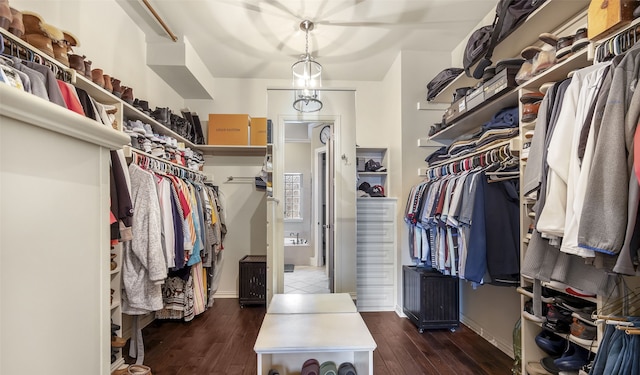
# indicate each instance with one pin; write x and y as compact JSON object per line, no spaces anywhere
{"x":95,"y":91}
{"x":115,"y":305}
{"x":361,"y":173}
{"x":551,"y":286}
{"x":15,"y":40}
{"x":20,"y":105}
{"x":132,"y":113}
{"x":478,"y":116}
{"x":232,"y":150}
{"x":550,"y":16}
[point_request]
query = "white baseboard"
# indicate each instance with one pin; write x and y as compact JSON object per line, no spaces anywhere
{"x":399,"y":311}
{"x":505,"y":347}
{"x":226,"y":294}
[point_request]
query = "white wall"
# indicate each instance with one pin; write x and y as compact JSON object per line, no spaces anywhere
{"x":246,"y":214}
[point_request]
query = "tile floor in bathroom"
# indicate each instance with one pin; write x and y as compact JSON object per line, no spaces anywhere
{"x":306,"y":280}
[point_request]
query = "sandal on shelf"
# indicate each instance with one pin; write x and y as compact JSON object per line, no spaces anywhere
{"x":311,"y":367}
{"x":347,"y":368}
{"x":139,"y":370}
{"x":328,"y":368}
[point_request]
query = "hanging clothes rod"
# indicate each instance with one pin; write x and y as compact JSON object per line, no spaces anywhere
{"x":233,"y":178}
{"x":619,"y":43}
{"x":499,"y":153}
{"x":155,"y":163}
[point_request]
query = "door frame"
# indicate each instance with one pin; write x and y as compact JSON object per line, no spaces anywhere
{"x":340,"y":103}
{"x":317,"y":206}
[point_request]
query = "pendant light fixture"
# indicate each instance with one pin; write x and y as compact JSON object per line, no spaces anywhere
{"x":307,"y":77}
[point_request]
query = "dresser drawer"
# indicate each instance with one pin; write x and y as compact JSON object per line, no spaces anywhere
{"x":375,"y":298}
{"x":375,"y":232}
{"x":373,"y":274}
{"x":376,"y":210}
{"x":376,"y":253}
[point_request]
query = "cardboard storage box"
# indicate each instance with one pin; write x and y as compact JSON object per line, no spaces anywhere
{"x":258,"y":131}
{"x":228,"y":129}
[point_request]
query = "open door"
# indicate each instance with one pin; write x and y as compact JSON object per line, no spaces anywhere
{"x":330,"y":211}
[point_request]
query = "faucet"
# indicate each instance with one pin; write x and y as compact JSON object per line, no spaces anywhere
{"x":297,"y":240}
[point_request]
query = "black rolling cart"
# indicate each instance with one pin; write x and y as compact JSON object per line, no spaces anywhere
{"x":253,"y":280}
{"x":430,"y":299}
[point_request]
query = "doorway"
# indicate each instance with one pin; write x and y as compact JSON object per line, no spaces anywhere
{"x":308,"y":223}
{"x":339,"y":109}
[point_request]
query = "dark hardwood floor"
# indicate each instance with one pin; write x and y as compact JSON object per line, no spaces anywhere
{"x":220,"y":342}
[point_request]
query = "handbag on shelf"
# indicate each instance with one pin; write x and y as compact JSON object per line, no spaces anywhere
{"x":509,"y":15}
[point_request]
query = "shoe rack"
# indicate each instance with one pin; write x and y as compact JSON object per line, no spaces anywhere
{"x":115,"y":308}
{"x":531,"y":290}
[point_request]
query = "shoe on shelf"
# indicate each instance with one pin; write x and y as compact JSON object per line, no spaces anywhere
{"x":118,"y":342}
{"x":77,"y":63}
{"x":580,"y":40}
{"x":97,"y":76}
{"x":17,"y":26}
{"x":550,"y":343}
{"x":548,"y":364}
{"x":563,"y":48}
{"x":122,"y":370}
{"x":127,"y":95}
{"x":139,"y":370}
{"x":347,"y":368}
{"x":583,"y":332}
{"x":573,"y":358}
{"x":107,"y":82}
{"x":6,"y":16}
{"x":117,"y":88}
{"x":558,"y":319}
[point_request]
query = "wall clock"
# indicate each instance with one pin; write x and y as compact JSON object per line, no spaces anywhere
{"x":325,"y":134}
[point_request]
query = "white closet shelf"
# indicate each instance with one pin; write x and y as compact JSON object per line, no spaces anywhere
{"x":559,"y":71}
{"x":220,"y":150}
{"x":478,"y":116}
{"x":133,"y":113}
{"x":97,"y":92}
{"x":21,"y":106}
{"x":551,"y":15}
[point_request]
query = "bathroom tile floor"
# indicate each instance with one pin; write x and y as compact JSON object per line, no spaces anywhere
{"x":306,"y":280}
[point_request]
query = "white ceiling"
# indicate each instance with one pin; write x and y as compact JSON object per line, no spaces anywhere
{"x":352,"y":39}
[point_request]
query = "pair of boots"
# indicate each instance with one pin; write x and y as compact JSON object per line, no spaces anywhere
{"x":47,"y":38}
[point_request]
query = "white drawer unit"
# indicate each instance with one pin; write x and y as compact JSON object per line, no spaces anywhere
{"x":376,"y":254}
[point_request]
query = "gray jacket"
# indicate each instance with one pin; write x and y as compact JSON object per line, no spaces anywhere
{"x":605,"y":214}
{"x":144,"y":267}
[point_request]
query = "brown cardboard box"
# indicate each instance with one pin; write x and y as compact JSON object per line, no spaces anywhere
{"x":228,"y":129}
{"x":258,"y":131}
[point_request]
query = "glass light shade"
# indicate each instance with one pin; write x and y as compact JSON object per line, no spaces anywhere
{"x":307,"y":73}
{"x":307,"y":77}
{"x":306,"y":100}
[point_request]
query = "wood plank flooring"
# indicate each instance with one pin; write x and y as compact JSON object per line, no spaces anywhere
{"x":220,"y":342}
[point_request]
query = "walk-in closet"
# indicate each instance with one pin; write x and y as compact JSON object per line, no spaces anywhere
{"x":293,"y":187}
